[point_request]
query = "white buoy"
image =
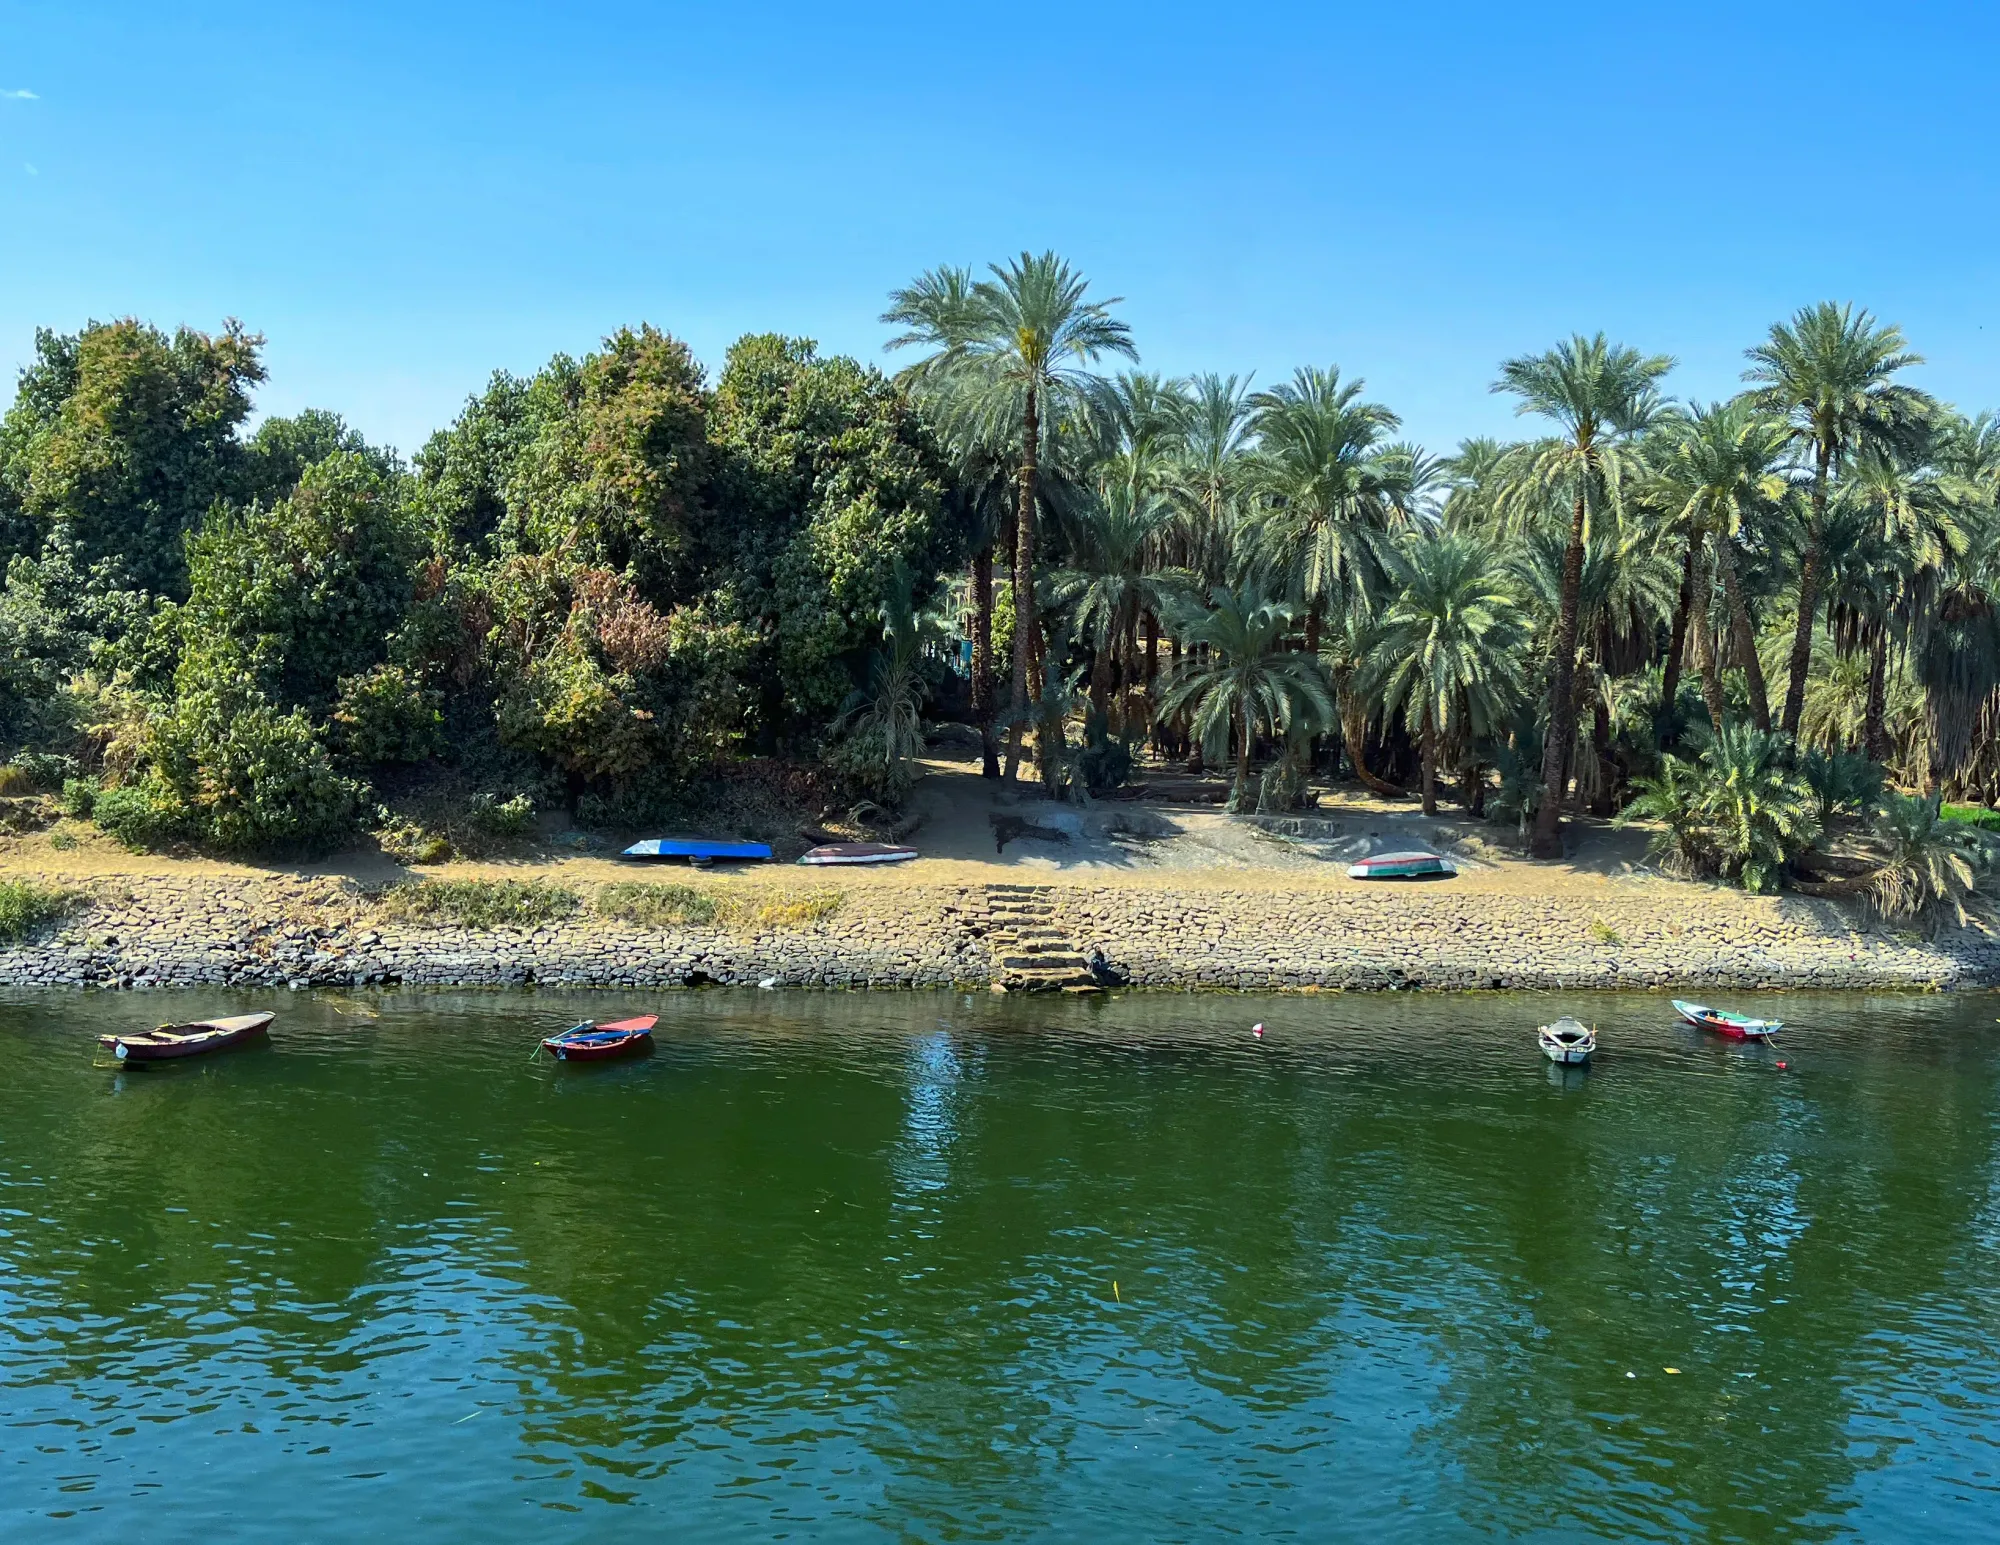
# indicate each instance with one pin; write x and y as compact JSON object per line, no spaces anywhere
{"x":1258,"y":1030}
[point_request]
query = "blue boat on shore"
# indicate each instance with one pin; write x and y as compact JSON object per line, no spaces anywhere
{"x":696,"y":851}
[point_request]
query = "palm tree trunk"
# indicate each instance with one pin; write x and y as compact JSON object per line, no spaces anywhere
{"x":1354,"y":732}
{"x":1711,"y":672}
{"x":1429,"y":753}
{"x":1152,"y":675}
{"x":1745,"y":640}
{"x":1810,"y":579}
{"x":1875,"y":727}
{"x":1024,"y":584}
{"x":982,"y":660}
{"x":1243,"y":758}
{"x":1607,"y":770}
{"x":1546,"y":842}
{"x":1670,"y":675}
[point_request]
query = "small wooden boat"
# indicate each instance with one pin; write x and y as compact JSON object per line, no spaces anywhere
{"x":1568,"y":1041}
{"x":189,"y":1040}
{"x":835,"y":853}
{"x":696,"y":851}
{"x":1738,"y":1027}
{"x":591,"y":1042}
{"x":1401,"y":866}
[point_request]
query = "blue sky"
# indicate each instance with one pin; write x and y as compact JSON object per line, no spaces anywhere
{"x":405,"y":197}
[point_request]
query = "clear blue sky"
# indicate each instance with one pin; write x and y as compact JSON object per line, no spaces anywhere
{"x":404,"y":197}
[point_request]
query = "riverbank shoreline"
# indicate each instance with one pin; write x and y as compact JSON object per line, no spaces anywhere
{"x":1181,"y":932}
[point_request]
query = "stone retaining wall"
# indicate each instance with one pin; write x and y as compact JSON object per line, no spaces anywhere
{"x":174,"y":931}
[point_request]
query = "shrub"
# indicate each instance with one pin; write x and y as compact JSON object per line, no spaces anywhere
{"x":479,"y":903}
{"x":45,"y":771}
{"x":387,"y":715}
{"x":26,"y":906}
{"x":408,"y":843}
{"x":14,"y":780}
{"x":1841,"y":781}
{"x":500,"y":818}
{"x":659,"y":906}
{"x":145,"y":815}
{"x":79,"y":797}
{"x":1736,"y":812}
{"x":1932,"y":865}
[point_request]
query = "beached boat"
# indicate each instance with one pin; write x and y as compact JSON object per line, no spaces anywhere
{"x":835,"y":853}
{"x":592,"y":1042}
{"x":696,"y":851}
{"x":170,"y":1042}
{"x":1738,"y":1027}
{"x":1567,"y":1041}
{"x":1401,"y":866}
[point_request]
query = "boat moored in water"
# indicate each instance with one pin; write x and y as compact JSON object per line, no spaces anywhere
{"x":1568,"y":1041}
{"x":172,"y":1042}
{"x":1738,"y":1027}
{"x":593,"y":1042}
{"x":1401,"y":866}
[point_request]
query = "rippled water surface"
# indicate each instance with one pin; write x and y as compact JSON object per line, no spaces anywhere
{"x":908,"y":1267}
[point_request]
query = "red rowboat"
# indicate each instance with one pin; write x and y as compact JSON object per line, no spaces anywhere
{"x":1738,"y":1027}
{"x":590,"y":1042}
{"x":189,"y":1040}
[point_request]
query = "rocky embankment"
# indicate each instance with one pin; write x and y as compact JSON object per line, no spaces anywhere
{"x":161,"y":931}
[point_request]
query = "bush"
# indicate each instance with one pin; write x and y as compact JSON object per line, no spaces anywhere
{"x":14,"y":780}
{"x":659,"y":906}
{"x":145,"y":815}
{"x":1736,"y":811}
{"x":500,"y":818}
{"x":79,"y":797}
{"x":26,"y":906}
{"x":387,"y":715}
{"x":479,"y":903}
{"x":1932,"y":866}
{"x":1841,"y":781}
{"x":44,"y":771}
{"x":408,"y":843}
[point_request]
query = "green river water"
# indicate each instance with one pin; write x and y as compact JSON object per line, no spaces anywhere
{"x":928,"y":1267}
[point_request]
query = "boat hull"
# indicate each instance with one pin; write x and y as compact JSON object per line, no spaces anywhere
{"x":603,"y":1042}
{"x":698,"y":852}
{"x":1735,"y":1027}
{"x":1402,"y":866}
{"x":1566,"y":1042}
{"x":197,"y":1038}
{"x":836,"y":854}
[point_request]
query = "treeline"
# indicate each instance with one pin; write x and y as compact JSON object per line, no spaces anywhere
{"x":1758,"y":622}
{"x":590,"y":586}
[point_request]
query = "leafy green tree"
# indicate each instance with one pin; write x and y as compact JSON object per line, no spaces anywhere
{"x":1113,"y":582}
{"x":1740,"y":810}
{"x":1932,"y":867}
{"x":463,"y":472}
{"x":120,"y":438}
{"x":1450,"y":641}
{"x":1247,"y":680}
{"x":1602,"y":396}
{"x":308,"y":590}
{"x":1009,"y":359}
{"x":1829,"y":373}
{"x":277,"y":455}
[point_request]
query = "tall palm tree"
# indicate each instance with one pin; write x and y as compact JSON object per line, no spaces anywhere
{"x":1333,"y":492}
{"x":1010,"y":357}
{"x":1448,"y":654}
{"x":1718,"y":469}
{"x":1247,"y":679}
{"x":1601,"y":395}
{"x":1829,"y":373}
{"x":1112,"y":582}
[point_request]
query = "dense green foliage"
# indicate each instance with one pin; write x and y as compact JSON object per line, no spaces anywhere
{"x":26,"y":905}
{"x":479,"y":903}
{"x":1751,"y":623}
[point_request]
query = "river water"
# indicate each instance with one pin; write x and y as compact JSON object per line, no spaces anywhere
{"x":928,"y":1267}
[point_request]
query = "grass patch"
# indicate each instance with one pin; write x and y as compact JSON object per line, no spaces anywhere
{"x":659,"y":906}
{"x":685,"y":906}
{"x":479,"y":903}
{"x":1973,"y":815}
{"x":1604,"y":933}
{"x":26,"y":906}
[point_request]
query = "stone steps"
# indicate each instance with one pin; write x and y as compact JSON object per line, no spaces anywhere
{"x":1030,"y":951}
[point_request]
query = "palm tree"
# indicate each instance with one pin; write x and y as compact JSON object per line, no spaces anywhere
{"x":1333,"y":493}
{"x":1719,"y":468}
{"x":1113,"y":582}
{"x":1448,"y":655}
{"x":1601,"y":395}
{"x":1249,"y":680}
{"x":1828,"y":374}
{"x":1009,"y":361}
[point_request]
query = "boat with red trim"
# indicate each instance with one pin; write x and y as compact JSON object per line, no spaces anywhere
{"x":1738,"y":1027}
{"x":594,"y":1042}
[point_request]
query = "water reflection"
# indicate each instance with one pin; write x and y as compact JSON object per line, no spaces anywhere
{"x":873,"y":1266}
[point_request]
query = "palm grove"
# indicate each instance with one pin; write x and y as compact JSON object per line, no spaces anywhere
{"x":1749,"y":622}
